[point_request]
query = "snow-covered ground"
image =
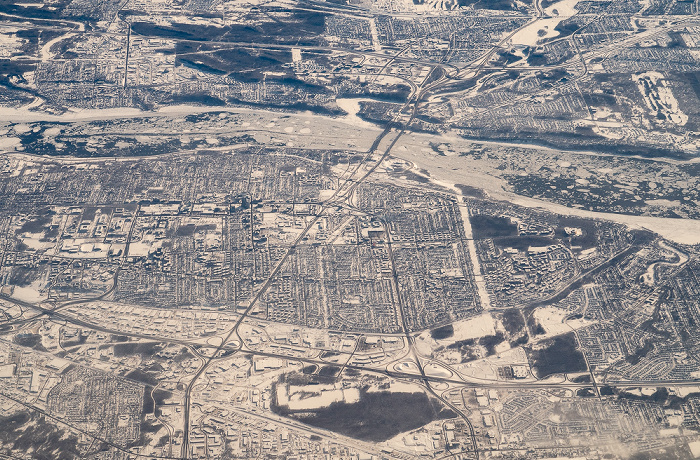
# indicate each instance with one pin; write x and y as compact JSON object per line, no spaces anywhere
{"x":543,"y":28}
{"x":30,"y":293}
{"x":553,"y":321}
{"x":648,"y":277}
{"x":659,"y":97}
{"x":352,"y":107}
{"x":472,"y":328}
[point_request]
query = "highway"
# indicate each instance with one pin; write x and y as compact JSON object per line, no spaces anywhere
{"x":342,"y":193}
{"x":439,"y":80}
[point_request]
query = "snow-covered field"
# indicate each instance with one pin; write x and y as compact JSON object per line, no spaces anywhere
{"x":473,"y":328}
{"x":544,"y":28}
{"x":553,"y":321}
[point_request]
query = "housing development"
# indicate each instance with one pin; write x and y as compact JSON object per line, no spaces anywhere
{"x":349,"y":229}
